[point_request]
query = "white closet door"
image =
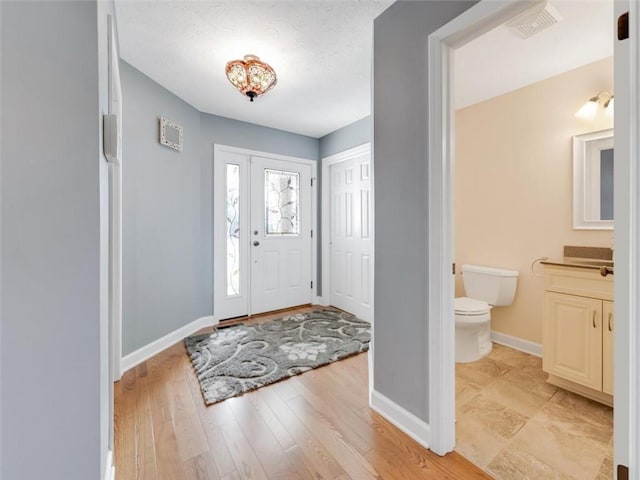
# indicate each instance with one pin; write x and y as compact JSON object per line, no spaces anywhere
{"x":280,"y":234}
{"x":351,"y":265}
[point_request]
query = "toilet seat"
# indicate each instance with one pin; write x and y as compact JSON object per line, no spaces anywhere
{"x":470,"y":306}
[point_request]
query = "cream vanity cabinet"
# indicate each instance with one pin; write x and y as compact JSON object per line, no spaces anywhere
{"x":578,"y":330}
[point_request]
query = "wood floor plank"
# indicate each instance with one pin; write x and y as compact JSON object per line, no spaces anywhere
{"x":232,"y":476}
{"x":265,"y":445}
{"x":124,"y":426}
{"x":279,"y":431}
{"x":189,"y":434}
{"x":354,"y":430}
{"x":201,"y":467}
{"x":391,"y":466}
{"x":316,"y":457}
{"x":168,"y":460}
{"x":145,"y":446}
{"x":247,"y":463}
{"x":317,"y":426}
{"x":345,"y":454}
{"x":211,"y":418}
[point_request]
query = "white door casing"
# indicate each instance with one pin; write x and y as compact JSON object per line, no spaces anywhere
{"x":232,"y":168}
{"x":626,"y":382}
{"x":351,"y":282}
{"x":115,"y":208}
{"x":280,"y":234}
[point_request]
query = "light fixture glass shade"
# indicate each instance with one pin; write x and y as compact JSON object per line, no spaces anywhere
{"x":608,"y":108}
{"x":251,"y":76}
{"x":589,"y":110}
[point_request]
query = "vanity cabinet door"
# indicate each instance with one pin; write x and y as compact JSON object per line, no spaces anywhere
{"x":573,"y":338}
{"x":607,"y":347}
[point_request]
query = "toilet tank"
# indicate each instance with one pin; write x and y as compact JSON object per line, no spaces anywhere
{"x":495,"y":286}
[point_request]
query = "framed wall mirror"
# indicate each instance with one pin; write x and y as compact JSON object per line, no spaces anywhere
{"x":593,"y":163}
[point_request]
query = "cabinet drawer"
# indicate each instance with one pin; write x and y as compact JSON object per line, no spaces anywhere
{"x":578,"y":281}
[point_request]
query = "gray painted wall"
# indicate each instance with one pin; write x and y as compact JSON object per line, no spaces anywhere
{"x":347,"y":137}
{"x":168,"y":206}
{"x":52,"y":391}
{"x":161,"y":214}
{"x":400,"y":112}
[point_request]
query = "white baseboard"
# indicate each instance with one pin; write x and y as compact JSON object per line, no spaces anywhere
{"x":110,"y":468}
{"x":517,"y":343}
{"x":406,"y":421}
{"x":134,"y":358}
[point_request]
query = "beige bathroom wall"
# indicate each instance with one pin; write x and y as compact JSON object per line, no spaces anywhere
{"x":513,"y":185}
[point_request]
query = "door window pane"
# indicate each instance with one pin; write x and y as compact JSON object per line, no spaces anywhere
{"x":233,"y":229}
{"x":281,"y":192}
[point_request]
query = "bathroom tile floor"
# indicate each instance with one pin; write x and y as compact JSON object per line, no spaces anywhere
{"x":516,"y":426}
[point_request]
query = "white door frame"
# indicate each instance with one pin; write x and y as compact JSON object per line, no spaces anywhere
{"x":479,"y":19}
{"x":115,"y":208}
{"x":219,"y":253}
{"x":327,"y":162}
{"x":626,"y":414}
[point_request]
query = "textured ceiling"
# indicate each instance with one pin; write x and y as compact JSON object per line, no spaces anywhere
{"x":500,"y":62}
{"x":321,"y":51}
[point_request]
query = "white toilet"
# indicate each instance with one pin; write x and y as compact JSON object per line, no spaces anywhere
{"x":485,"y":288}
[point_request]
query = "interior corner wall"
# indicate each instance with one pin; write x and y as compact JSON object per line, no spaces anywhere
{"x":400,"y":148}
{"x":349,"y":136}
{"x":50,"y":245}
{"x":168,"y":205}
{"x":514,"y":185}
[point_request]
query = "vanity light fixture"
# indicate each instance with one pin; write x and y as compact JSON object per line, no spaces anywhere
{"x":251,"y":76}
{"x":590,"y":109}
{"x":608,"y":107}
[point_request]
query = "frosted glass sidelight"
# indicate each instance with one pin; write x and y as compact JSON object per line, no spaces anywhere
{"x":281,"y":194}
{"x":233,"y":230}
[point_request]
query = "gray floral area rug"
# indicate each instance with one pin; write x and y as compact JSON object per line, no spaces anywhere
{"x":237,"y":359}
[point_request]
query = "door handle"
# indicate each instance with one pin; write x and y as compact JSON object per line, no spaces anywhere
{"x":256,"y":243}
{"x":610,"y":319}
{"x":594,"y":319}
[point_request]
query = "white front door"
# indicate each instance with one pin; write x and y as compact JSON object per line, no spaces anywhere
{"x":267,"y":201}
{"x":350,"y":236}
{"x":280,"y":234}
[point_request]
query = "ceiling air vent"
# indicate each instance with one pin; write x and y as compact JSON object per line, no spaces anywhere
{"x":535,"y":20}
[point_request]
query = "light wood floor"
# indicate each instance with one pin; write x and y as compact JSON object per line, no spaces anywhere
{"x":314,"y":426}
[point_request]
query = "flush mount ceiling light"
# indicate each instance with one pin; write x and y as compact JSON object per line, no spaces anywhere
{"x":251,"y":76}
{"x":590,"y":109}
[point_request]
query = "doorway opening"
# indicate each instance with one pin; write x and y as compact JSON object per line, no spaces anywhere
{"x":264,"y":212}
{"x":347,"y":246}
{"x":527,"y":350}
{"x":473,"y":23}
